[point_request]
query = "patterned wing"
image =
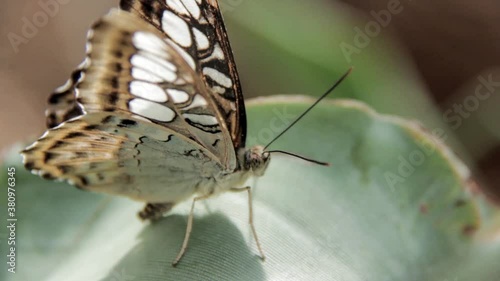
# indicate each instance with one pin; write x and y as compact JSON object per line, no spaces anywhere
{"x":121,"y":154}
{"x":197,"y":27}
{"x":62,"y":104}
{"x":131,"y":67}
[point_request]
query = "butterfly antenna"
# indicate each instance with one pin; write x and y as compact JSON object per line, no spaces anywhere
{"x":300,"y":157}
{"x":307,"y":111}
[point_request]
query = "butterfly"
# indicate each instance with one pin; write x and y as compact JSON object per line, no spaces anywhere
{"x":155,"y":112}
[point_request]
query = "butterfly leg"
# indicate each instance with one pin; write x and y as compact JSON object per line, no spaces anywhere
{"x":250,"y":217}
{"x":189,"y":228}
{"x":154,"y":211}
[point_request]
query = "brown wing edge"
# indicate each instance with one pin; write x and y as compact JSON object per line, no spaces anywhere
{"x":62,"y":104}
{"x":239,"y":132}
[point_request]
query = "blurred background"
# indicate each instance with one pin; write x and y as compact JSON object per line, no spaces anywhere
{"x":433,"y":61}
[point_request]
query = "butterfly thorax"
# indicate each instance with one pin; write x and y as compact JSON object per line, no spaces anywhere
{"x":254,"y":160}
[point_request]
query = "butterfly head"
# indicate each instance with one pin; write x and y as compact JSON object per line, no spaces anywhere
{"x":256,"y":160}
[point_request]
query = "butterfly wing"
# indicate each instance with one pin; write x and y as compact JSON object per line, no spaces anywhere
{"x":198,"y":28}
{"x":145,"y":129}
{"x":62,"y":104}
{"x":118,"y":153}
{"x":131,"y":67}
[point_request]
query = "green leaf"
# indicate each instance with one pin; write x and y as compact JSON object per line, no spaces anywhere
{"x":378,"y":213}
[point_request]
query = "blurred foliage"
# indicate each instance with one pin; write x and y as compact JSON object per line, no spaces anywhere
{"x":296,"y":49}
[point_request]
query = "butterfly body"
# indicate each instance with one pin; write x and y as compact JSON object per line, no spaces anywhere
{"x":154,"y":113}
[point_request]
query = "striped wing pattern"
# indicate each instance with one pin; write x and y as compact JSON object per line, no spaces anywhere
{"x":208,"y":50}
{"x":132,"y":67}
{"x":62,"y":104}
{"x":198,"y":28}
{"x":120,"y":154}
{"x":146,"y":115}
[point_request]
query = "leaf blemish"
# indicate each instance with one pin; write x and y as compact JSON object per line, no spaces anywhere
{"x":460,"y":203}
{"x":424,"y":208}
{"x":469,"y":230}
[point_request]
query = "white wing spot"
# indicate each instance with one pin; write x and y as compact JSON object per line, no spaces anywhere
{"x":88,"y":47}
{"x":148,"y":91}
{"x":206,"y":120}
{"x":176,"y":28}
{"x":165,"y":63}
{"x":64,"y":87}
{"x":177,"y":6}
{"x":218,"y":77}
{"x":84,"y":64}
{"x":218,"y":53}
{"x":218,"y":90}
{"x":198,"y":101}
{"x":141,"y":74}
{"x":151,"y":110}
{"x":151,"y":43}
{"x":153,"y":66}
{"x":183,"y":54}
{"x":193,"y":8}
{"x":90,"y":34}
{"x":201,"y":39}
{"x":178,"y":96}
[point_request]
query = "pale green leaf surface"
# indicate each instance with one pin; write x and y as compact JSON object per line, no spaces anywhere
{"x":344,"y":222}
